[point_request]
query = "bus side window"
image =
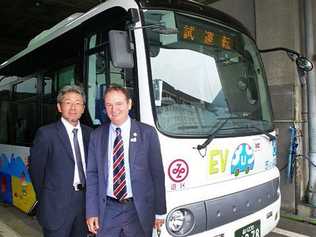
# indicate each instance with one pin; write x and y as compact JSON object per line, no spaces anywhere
{"x":25,"y":112}
{"x":4,"y":113}
{"x":96,"y":75}
{"x":49,"y":111}
{"x":100,"y":74}
{"x":65,"y":76}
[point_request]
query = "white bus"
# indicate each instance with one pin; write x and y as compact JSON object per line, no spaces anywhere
{"x":193,"y":72}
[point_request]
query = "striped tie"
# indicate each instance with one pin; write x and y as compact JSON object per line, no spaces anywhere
{"x":119,"y":181}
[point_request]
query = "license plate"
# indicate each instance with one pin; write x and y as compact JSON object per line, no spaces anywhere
{"x":251,"y":230}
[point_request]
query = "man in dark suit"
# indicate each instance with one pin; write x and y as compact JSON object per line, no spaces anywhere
{"x":57,"y":167}
{"x":125,"y":177}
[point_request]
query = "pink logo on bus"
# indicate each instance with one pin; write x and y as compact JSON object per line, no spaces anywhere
{"x":178,"y":170}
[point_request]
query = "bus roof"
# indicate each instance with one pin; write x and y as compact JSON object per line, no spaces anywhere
{"x":62,"y":27}
{"x":191,"y":6}
{"x":77,"y":19}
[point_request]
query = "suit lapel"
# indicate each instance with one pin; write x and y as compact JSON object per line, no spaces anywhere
{"x":63,"y":136}
{"x":133,"y":142}
{"x":85,"y":138}
{"x":104,"y":141}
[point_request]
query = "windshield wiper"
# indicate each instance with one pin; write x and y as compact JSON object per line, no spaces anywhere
{"x":221,"y":125}
{"x":213,"y":134}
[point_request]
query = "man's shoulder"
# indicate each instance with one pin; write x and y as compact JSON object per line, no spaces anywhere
{"x":49,"y":127}
{"x":143,"y":126}
{"x":101,"y":128}
{"x":86,"y":128}
{"x":48,"y":131}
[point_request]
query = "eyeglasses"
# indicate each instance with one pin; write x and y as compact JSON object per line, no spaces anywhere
{"x":70,"y":104}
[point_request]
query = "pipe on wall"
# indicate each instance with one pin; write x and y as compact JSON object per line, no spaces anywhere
{"x":311,"y":89}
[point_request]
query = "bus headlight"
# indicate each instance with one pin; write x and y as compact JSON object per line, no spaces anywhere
{"x":180,"y":222}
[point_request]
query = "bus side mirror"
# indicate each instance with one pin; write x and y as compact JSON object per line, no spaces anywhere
{"x":304,"y":64}
{"x":121,"y":54}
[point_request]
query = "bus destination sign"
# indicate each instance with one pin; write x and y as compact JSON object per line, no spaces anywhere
{"x":206,"y":37}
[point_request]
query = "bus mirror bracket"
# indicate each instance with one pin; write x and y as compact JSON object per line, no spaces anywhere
{"x":303,"y":64}
{"x":158,"y":28}
{"x":121,"y":54}
{"x":133,"y":16}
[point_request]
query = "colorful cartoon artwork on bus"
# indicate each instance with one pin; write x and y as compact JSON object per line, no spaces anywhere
{"x":243,"y":159}
{"x":16,"y":186}
{"x":5,"y":179}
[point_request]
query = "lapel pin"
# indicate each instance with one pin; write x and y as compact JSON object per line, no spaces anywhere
{"x":133,"y":139}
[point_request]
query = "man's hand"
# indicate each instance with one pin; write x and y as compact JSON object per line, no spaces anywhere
{"x":93,"y":224}
{"x":158,"y":223}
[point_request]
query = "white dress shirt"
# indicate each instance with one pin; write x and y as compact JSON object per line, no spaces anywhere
{"x":125,"y":132}
{"x":69,"y":128}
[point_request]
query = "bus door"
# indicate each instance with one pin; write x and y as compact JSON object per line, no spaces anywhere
{"x":101,"y":73}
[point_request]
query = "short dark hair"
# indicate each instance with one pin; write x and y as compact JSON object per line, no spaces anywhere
{"x":117,"y":88}
{"x":70,"y":88}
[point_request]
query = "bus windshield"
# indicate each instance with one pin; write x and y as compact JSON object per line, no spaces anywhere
{"x":204,"y":73}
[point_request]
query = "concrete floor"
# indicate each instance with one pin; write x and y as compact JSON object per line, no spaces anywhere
{"x":14,"y":223}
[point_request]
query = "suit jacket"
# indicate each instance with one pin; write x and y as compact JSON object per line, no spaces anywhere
{"x":146,"y":171}
{"x":52,"y":172}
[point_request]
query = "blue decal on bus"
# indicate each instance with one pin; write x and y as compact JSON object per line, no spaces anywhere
{"x":243,"y":159}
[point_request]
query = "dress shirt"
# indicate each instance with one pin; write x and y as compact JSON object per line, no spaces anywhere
{"x":125,"y":132}
{"x":69,"y":128}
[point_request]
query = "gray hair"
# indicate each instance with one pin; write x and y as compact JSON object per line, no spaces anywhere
{"x":70,"y":88}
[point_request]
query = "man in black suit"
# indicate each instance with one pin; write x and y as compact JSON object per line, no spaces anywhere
{"x":58,"y":166}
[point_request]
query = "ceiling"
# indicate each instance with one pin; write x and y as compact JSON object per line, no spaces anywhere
{"x":21,"y":20}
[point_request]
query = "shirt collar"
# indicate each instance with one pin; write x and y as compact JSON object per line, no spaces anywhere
{"x":69,"y":127}
{"x":123,"y":126}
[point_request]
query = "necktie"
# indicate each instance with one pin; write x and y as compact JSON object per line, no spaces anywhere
{"x":119,"y":181}
{"x":78,"y":158}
